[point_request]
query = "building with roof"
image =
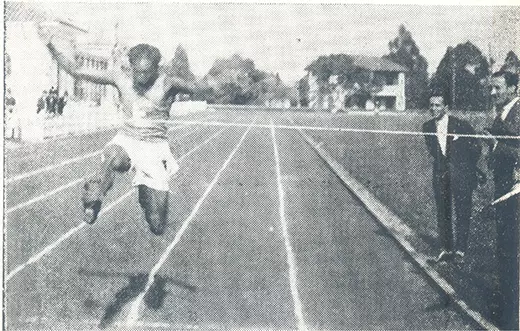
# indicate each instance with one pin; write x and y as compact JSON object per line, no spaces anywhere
{"x":32,"y":70}
{"x":334,"y":96}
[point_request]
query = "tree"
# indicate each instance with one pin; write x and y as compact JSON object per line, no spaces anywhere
{"x":461,"y":78}
{"x":404,"y":51}
{"x":179,"y":65}
{"x":511,"y":63}
{"x":303,"y":91}
{"x":236,"y":81}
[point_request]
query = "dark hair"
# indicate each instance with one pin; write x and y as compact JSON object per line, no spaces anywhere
{"x":144,"y":51}
{"x":443,"y":95}
{"x":510,"y":78}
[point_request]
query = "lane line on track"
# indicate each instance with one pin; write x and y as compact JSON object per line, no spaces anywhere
{"x":43,"y":196}
{"x":72,"y":231}
{"x":291,"y":260}
{"x":133,"y":314}
{"x":397,"y":229}
{"x":66,"y":186}
{"x":341,"y":129}
{"x":63,"y":163}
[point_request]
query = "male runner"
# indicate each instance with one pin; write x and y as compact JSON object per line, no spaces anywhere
{"x":146,"y":96}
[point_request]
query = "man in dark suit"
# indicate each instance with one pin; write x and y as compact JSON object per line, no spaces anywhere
{"x":505,"y":162}
{"x":455,"y":176}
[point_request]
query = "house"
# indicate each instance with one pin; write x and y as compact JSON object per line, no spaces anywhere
{"x":390,"y":94}
{"x":33,"y":70}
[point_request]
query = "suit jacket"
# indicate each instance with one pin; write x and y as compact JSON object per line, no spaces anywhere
{"x":462,"y":153}
{"x":506,"y":154}
{"x":508,"y":148}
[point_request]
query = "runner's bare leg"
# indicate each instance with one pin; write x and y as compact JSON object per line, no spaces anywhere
{"x":115,"y":159}
{"x":155,"y":207}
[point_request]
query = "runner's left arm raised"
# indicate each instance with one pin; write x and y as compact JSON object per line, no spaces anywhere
{"x":175,"y":85}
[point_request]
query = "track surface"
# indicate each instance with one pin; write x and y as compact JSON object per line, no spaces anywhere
{"x":264,"y":242}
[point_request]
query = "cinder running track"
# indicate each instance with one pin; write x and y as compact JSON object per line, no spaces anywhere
{"x":261,"y":234}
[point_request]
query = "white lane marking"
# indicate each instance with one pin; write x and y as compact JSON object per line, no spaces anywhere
{"x":43,"y":196}
{"x":193,"y":150}
{"x":396,"y":228}
{"x":291,"y":261}
{"x":341,"y":129}
{"x":51,"y":167}
{"x":133,"y":315}
{"x":76,"y":181}
{"x":61,"y":164}
{"x":53,"y":245}
{"x":188,"y":133}
{"x":50,"y":247}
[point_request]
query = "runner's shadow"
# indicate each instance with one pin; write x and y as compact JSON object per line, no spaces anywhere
{"x":136,"y":284}
{"x":153,"y":299}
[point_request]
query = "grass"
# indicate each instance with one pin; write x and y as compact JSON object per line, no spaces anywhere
{"x":398,"y":170}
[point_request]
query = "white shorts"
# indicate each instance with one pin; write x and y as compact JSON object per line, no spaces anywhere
{"x":152,"y":162}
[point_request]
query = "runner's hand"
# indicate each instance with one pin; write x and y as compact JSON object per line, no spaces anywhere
{"x":45,"y":34}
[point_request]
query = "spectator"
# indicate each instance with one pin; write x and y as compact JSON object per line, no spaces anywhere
{"x":455,"y":176}
{"x":51,"y":101}
{"x":62,"y":102}
{"x":505,"y":162}
{"x":11,"y":120}
{"x":42,"y":103}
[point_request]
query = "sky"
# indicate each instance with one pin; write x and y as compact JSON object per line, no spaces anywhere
{"x":285,"y":38}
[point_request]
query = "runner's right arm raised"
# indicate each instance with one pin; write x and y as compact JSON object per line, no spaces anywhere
{"x":109,"y":77}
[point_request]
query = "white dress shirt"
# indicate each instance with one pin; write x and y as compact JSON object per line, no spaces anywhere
{"x":442,"y":132}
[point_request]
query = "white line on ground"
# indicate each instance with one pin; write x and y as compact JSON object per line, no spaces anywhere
{"x":53,"y":245}
{"x":61,"y":164}
{"x":43,"y":196}
{"x":50,"y":247}
{"x":340,"y":129}
{"x":188,"y":133}
{"x":397,"y":229}
{"x":291,"y":261}
{"x":69,"y":184}
{"x":133,"y":315}
{"x":51,"y":167}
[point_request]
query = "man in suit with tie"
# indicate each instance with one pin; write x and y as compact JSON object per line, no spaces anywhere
{"x":455,"y":176}
{"x":505,"y":162}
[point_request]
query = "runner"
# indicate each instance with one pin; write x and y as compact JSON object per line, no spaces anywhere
{"x":146,"y":96}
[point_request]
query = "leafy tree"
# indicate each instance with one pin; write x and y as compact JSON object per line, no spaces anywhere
{"x":303,"y":91}
{"x":461,"y":78}
{"x":236,"y":80}
{"x":404,"y":51}
{"x":511,"y":63}
{"x":179,"y":65}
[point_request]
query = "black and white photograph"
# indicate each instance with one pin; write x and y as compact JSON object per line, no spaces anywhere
{"x":247,"y":165}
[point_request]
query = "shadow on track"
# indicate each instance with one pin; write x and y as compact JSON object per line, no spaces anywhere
{"x":153,"y":299}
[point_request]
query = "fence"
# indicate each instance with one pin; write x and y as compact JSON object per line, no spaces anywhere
{"x":77,"y":118}
{"x":80,"y":118}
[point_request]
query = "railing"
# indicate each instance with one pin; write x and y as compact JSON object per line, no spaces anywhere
{"x":80,"y":118}
{"x":77,"y":118}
